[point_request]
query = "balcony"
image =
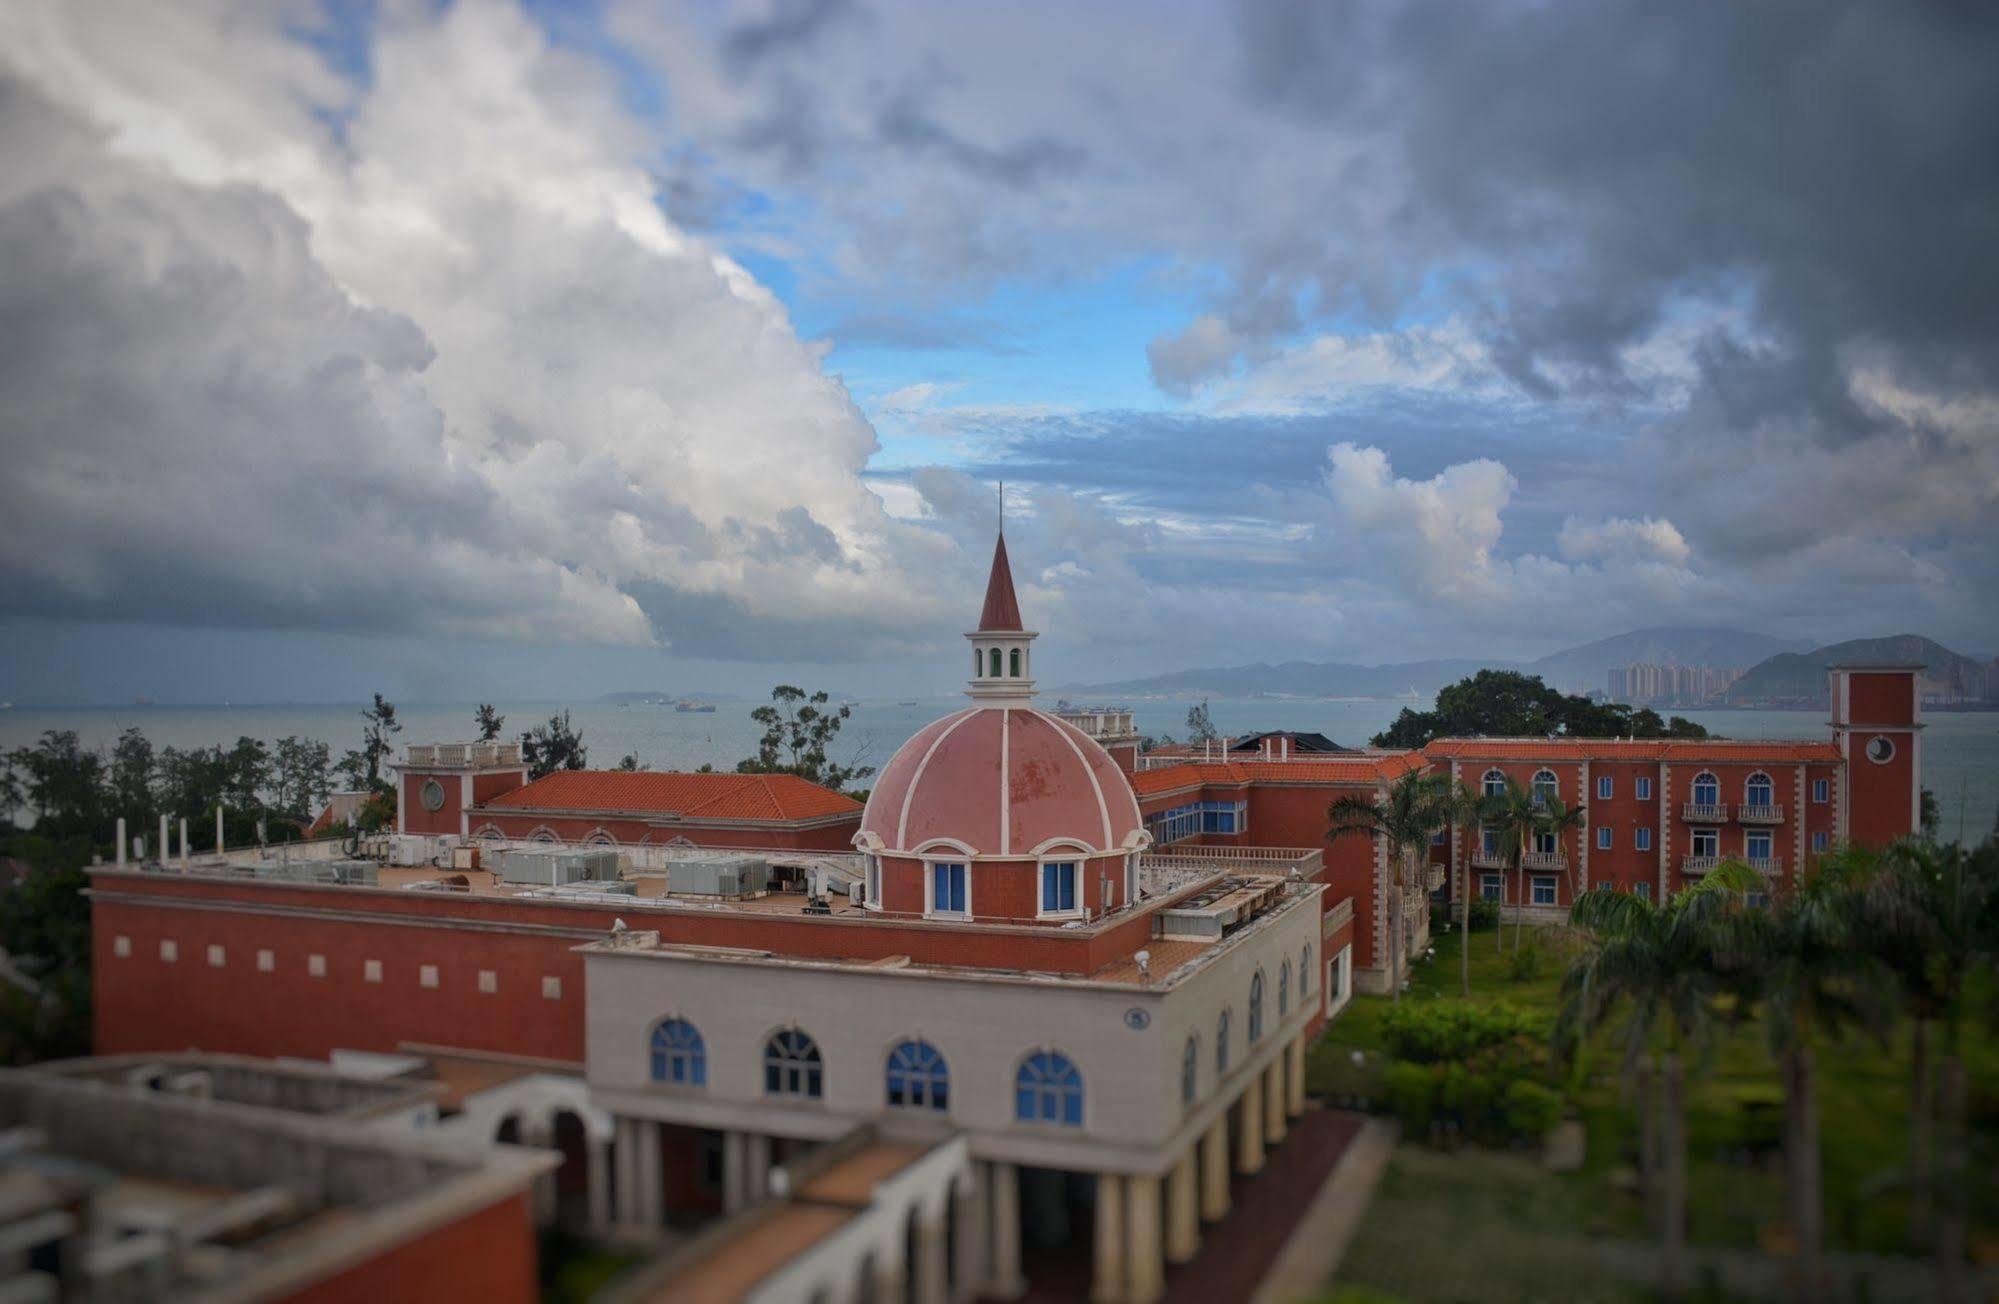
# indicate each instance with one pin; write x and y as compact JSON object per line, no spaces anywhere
{"x":1488,"y":858}
{"x":1767,"y":866}
{"x":1699,"y":813}
{"x":1692,"y":865}
{"x":1760,"y":814}
{"x":1544,"y":860}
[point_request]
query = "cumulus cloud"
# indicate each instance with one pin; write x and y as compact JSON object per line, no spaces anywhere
{"x":1440,"y":532}
{"x":1623,"y":536}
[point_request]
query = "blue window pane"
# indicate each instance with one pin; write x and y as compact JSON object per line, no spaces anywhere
{"x":678,"y":1054}
{"x":1048,"y":1089}
{"x":1058,"y":887}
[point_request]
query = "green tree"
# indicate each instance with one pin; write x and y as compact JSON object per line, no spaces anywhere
{"x":1468,"y":809}
{"x":1403,"y":817}
{"x":1200,"y":725}
{"x":363,"y":768}
{"x":64,"y":783}
{"x":1560,"y":819}
{"x":131,"y":785}
{"x":1514,"y":812}
{"x":630,"y":763}
{"x":1930,"y":916}
{"x":489,"y":721}
{"x":300,"y":770}
{"x":798,"y":733}
{"x":1653,"y":968}
{"x":1506,"y":703}
{"x":557,"y":745}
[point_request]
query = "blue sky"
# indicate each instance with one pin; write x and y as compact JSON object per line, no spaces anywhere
{"x":585,"y":345}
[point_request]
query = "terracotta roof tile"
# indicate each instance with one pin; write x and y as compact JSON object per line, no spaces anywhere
{"x":771,"y":797}
{"x":1365,"y":768}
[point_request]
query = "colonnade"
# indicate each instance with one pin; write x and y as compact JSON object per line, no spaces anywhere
{"x":1146,"y":1222}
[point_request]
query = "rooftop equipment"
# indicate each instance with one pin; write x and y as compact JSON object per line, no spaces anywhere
{"x":558,"y":867}
{"x":730,"y":879}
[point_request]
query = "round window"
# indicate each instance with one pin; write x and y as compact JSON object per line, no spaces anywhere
{"x":433,"y":795}
{"x":1880,"y":750}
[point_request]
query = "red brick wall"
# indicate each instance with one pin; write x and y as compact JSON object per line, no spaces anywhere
{"x":442,"y":820}
{"x":486,"y":787}
{"x":487,"y":1256}
{"x":1001,"y":891}
{"x":1888,"y":697}
{"x":1883,"y":794}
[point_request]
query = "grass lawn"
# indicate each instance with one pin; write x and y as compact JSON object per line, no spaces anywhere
{"x":1735,"y":1186}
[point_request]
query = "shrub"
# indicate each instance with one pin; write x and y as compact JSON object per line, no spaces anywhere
{"x":1525,"y":964}
{"x":1433,"y":1033}
{"x":1411,"y":1090}
{"x":1484,"y":915}
{"x":1531,"y":1109}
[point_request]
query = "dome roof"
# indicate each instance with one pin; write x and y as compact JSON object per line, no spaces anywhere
{"x":1003,"y":781}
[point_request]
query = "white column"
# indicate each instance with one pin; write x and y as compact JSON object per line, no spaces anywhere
{"x":121,"y":842}
{"x":183,"y":842}
{"x":1273,"y":1100}
{"x":1107,"y":1286}
{"x":166,"y":851}
{"x":1295,"y":1087}
{"x":1183,"y":1221}
{"x":932,"y":1277}
{"x":625,"y":1172}
{"x":1003,"y":1206}
{"x":218,"y":828}
{"x":1215,"y":1170}
{"x":735,"y":1178}
{"x":1145,"y":1274}
{"x":1249,"y":1144}
{"x":651,"y":1202}
{"x":970,"y":1270}
{"x":598,"y":1152}
{"x":756,"y":1166}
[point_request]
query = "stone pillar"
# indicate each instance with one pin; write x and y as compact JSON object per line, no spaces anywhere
{"x":932,"y":1277}
{"x":1215,"y":1170}
{"x":1183,"y":1220}
{"x":1249,"y":1137}
{"x":969,"y":1272}
{"x":735,"y":1175}
{"x":626,"y":1160}
{"x":1273,"y":1100}
{"x":166,"y":846}
{"x":650,"y":1197}
{"x":218,"y":828}
{"x":1107,"y":1287}
{"x":756,"y":1167}
{"x":599,"y":1159}
{"x":1003,"y":1205}
{"x":1145,"y":1277}
{"x":183,"y":842}
{"x":1295,"y":1088}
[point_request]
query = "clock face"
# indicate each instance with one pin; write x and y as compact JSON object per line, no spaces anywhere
{"x":1880,"y":750}
{"x":432,"y":795}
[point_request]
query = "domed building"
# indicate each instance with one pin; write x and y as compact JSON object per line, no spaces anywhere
{"x":1002,"y":812}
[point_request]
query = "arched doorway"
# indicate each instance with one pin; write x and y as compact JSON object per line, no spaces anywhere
{"x":509,"y":1131}
{"x":572,"y":1179}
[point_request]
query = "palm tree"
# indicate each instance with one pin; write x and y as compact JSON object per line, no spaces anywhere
{"x":1655,"y":966}
{"x":1930,"y":915}
{"x":1404,"y":816}
{"x":1464,"y":807}
{"x":1516,"y":814}
{"x":1558,"y":819}
{"x":1803,"y":963}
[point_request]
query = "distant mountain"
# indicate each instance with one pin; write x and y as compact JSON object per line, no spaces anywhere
{"x":1577,"y":669}
{"x":1800,"y":678}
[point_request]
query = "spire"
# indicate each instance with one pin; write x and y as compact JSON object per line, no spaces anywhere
{"x":1002,"y":609}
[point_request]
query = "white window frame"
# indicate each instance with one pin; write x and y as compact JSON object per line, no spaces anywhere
{"x":1339,"y":980}
{"x":1642,"y":889}
{"x":1749,"y":785}
{"x":1131,"y":883}
{"x":1606,"y":787}
{"x":315,"y":966}
{"x":1642,"y":787}
{"x":1495,"y":881}
{"x":1553,"y":786}
{"x":371,"y":971}
{"x":267,"y":961}
{"x":1537,"y":885}
{"x":930,"y":862}
{"x":169,"y":951}
{"x":1642,"y":839}
{"x":1821,"y":841}
{"x":1749,"y":840}
{"x":121,"y":946}
{"x":1606,"y":840}
{"x":1821,"y":791}
{"x":1712,"y":836}
{"x":489,"y":982}
{"x":1487,"y":785}
{"x":551,"y":987}
{"x":1080,"y":861}
{"x":426,"y":975}
{"x":218,"y":958}
{"x":1705,"y":779}
{"x":872,"y":895}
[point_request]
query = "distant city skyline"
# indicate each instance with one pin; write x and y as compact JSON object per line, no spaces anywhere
{"x":544,"y":350}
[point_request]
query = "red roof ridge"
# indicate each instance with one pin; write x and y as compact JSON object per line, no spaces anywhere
{"x":722,"y":795}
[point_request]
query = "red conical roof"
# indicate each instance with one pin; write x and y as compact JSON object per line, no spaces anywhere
{"x":1002,"y":610}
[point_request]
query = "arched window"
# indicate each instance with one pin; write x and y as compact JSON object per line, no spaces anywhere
{"x":1495,"y":783}
{"x":1544,"y":787}
{"x":679,"y":1055}
{"x":1305,"y":972}
{"x":994,"y":661}
{"x":1222,"y":1045}
{"x":1707,"y":789}
{"x":792,"y":1065}
{"x":1284,"y":989}
{"x":1256,"y":1007}
{"x":918,"y":1078}
{"x":1013,"y":664}
{"x":1048,"y":1089}
{"x":1190,"y":1070}
{"x":1759,"y":791}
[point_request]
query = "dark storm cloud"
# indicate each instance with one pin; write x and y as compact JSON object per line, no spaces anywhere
{"x":1831,"y":170}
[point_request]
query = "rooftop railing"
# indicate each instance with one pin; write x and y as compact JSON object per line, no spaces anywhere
{"x":467,"y":754}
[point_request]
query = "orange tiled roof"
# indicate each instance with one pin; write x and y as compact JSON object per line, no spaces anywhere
{"x":774,"y":797}
{"x":1378,"y":768}
{"x":1676,"y":750}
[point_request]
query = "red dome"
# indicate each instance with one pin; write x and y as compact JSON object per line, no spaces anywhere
{"x":1003,"y":781}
